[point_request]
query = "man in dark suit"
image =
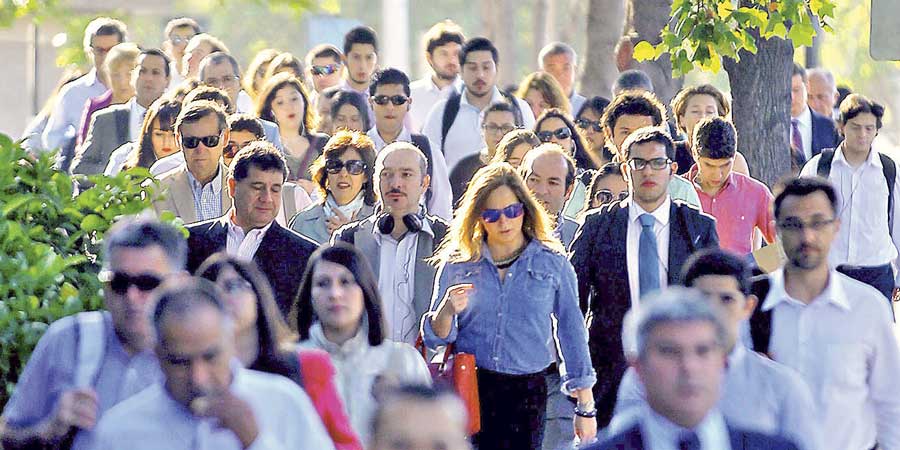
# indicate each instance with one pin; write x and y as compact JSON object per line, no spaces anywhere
{"x":681,"y":357}
{"x":811,"y":132}
{"x":248,"y":230}
{"x":629,"y":248}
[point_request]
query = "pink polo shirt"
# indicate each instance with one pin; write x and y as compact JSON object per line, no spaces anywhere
{"x":740,"y":206}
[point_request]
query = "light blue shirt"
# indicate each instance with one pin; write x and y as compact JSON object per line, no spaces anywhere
{"x":66,"y":115}
{"x":661,"y":434}
{"x":207,"y":197}
{"x":153,"y":420}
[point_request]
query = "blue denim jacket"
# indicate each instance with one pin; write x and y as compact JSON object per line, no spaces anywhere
{"x":508,"y":326}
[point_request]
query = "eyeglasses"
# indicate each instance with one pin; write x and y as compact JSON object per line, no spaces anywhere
{"x":585,"y":124}
{"x":321,"y":71}
{"x":500,"y":129}
{"x":234,"y":285}
{"x":232,"y":148}
{"x":194,"y":141}
{"x":354,"y":166}
{"x":397,"y":100}
{"x":562,"y":133}
{"x":795,"y":225}
{"x":224,"y":81}
{"x":100,"y":50}
{"x":604,"y":196}
{"x":511,"y":212}
{"x":655,"y":163}
{"x":119,"y":281}
{"x":179,"y":39}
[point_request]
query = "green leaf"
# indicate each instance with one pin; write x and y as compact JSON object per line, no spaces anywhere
{"x":724,"y":9}
{"x":802,"y":33}
{"x":93,"y":222}
{"x":644,"y":51}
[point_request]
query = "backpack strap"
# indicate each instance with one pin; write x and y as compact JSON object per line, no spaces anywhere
{"x":890,"y":175}
{"x":91,"y":345}
{"x":823,"y":169}
{"x":421,"y":141}
{"x":449,"y":116}
{"x":760,"y":321}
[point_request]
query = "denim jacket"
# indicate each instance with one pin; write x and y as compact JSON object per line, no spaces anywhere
{"x":508,"y":326}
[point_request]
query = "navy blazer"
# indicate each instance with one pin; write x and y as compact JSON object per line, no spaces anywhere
{"x":282,"y":256}
{"x":631,"y":439}
{"x":598,"y":256}
{"x":824,"y":133}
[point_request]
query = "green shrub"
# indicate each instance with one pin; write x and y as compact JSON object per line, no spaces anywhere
{"x":49,"y":240}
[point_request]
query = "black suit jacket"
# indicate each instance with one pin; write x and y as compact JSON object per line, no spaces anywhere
{"x":598,"y":256}
{"x":281,"y":256}
{"x":824,"y":133}
{"x":740,"y":440}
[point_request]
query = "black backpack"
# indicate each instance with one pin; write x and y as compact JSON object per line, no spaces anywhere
{"x":421,"y":141}
{"x":760,"y":321}
{"x":823,"y":169}
{"x":452,"y":108}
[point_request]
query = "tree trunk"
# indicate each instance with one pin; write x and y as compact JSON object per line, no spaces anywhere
{"x":605,"y":22}
{"x":647,"y":18}
{"x":498,"y":25}
{"x":761,"y":92}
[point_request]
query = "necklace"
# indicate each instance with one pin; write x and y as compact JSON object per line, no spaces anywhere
{"x":508,"y":261}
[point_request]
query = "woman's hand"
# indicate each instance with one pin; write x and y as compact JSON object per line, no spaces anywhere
{"x":336,"y":221}
{"x":455,"y":301}
{"x":585,"y":429}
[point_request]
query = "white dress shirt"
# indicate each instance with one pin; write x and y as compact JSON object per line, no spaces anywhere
{"x":660,"y":433}
{"x":465,"y":137}
{"x":863,"y":238}
{"x":804,"y":124}
{"x":153,"y":420}
{"x":66,"y":114}
{"x":441,"y":204}
{"x":167,"y":163}
{"x":425,"y":95}
{"x":632,"y":244}
{"x":758,"y":394}
{"x":118,"y":158}
{"x":843,"y":344}
{"x":135,"y":119}
{"x":240,"y":244}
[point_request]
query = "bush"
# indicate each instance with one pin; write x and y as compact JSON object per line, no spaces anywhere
{"x":49,"y":239}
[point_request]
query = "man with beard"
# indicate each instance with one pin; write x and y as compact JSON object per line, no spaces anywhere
{"x":442,"y":44}
{"x":833,"y":330}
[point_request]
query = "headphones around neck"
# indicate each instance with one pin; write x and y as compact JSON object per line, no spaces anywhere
{"x":385,"y":223}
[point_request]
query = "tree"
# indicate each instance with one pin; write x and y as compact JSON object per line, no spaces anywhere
{"x":644,"y":19}
{"x":604,"y":26}
{"x":757,"y":41}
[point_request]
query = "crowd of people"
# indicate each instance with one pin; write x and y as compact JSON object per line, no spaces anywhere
{"x":621,"y":280}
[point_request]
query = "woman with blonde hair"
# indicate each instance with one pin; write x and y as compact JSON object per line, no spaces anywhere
{"x":255,"y":75}
{"x":541,"y":91}
{"x":501,"y":276}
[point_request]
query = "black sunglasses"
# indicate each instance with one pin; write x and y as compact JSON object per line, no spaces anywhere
{"x":119,"y":281}
{"x":511,"y":212}
{"x":354,"y":166}
{"x":397,"y":100}
{"x":561,"y":133}
{"x":321,"y":71}
{"x":604,"y":196}
{"x":585,"y":124}
{"x":194,"y":141}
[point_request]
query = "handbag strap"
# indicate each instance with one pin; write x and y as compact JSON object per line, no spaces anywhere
{"x":420,"y":346}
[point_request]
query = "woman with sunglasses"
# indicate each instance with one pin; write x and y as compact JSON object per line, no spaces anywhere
{"x":157,"y":139}
{"x":264,"y":342}
{"x":344,"y":176}
{"x":588,"y":121}
{"x":556,"y":126}
{"x":513,"y":147}
{"x":607,"y":185}
{"x":339,"y":310}
{"x":501,"y":276}
{"x":284,"y":100}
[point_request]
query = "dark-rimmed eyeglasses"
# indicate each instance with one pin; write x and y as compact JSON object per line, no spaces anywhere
{"x":224,"y":81}
{"x":194,"y":141}
{"x":500,"y":129}
{"x":120,"y":281}
{"x":604,"y":196}
{"x":322,"y":71}
{"x":397,"y":100}
{"x":585,"y":124}
{"x":560,"y":133}
{"x":354,"y":166}
{"x":795,"y":225}
{"x":511,"y":212}
{"x":655,"y":163}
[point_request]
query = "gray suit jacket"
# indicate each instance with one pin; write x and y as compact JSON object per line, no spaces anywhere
{"x":567,"y":232}
{"x":178,"y":197}
{"x":311,"y":222}
{"x":108,"y":131}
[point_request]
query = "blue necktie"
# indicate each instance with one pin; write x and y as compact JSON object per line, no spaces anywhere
{"x":689,"y":441}
{"x":648,"y":264}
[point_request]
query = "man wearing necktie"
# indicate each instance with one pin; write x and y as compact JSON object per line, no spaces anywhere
{"x":681,"y":341}
{"x":811,"y":132}
{"x":630,"y":248}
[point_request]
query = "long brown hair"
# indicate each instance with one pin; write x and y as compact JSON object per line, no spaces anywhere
{"x":267,"y":96}
{"x":466,"y":234}
{"x":166,"y":110}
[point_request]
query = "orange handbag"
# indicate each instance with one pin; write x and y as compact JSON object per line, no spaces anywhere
{"x":457,"y":371}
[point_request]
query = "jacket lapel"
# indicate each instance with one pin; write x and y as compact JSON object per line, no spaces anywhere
{"x":424,"y":276}
{"x":183,"y":197}
{"x":123,"y":117}
{"x":365,"y":242}
{"x":680,"y":244}
{"x":226,"y":198}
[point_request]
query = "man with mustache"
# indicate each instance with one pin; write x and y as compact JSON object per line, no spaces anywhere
{"x":398,"y":239}
{"x":630,"y":248}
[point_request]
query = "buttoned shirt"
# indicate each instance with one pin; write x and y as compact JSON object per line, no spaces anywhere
{"x":425,"y":94}
{"x":135,"y":119}
{"x":804,"y":124}
{"x":154,"y":420}
{"x":741,"y":205}
{"x":66,"y":114}
{"x":758,"y":394}
{"x":396,"y":282}
{"x":207,"y":197}
{"x":441,"y":204}
{"x":51,"y":371}
{"x":632,"y":244}
{"x":842,"y":343}
{"x":241,"y":244}
{"x":863,"y":238}
{"x":659,"y":433}
{"x":465,"y":137}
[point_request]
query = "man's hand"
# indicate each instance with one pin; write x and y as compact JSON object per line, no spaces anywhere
{"x":232,"y":412}
{"x":75,"y":408}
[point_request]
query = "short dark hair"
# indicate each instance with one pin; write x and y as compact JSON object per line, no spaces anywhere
{"x":360,"y":35}
{"x":597,"y":104}
{"x":649,"y":134}
{"x":219,"y":58}
{"x":104,"y":26}
{"x":246,"y":122}
{"x":714,"y":261}
{"x":803,"y":186}
{"x":579,"y":148}
{"x":499,"y":107}
{"x":856,"y":104}
{"x":344,"y":97}
{"x":323,"y":51}
{"x":632,"y":80}
{"x":208,"y":93}
{"x":421,"y":393}
{"x":389,"y":75}
{"x":194,"y":111}
{"x":261,"y":155}
{"x":798,"y":70}
{"x":715,"y":138}
{"x":181,"y":295}
{"x":633,"y":103}
{"x":443,"y":33}
{"x":354,"y":261}
{"x":478,"y":44}
{"x":143,"y":232}
{"x":610,"y":169}
{"x":161,"y":54}
{"x":181,"y":22}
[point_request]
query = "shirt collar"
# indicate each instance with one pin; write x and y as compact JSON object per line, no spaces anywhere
{"x":433,"y":87}
{"x":216,"y":181}
{"x":92,"y":79}
{"x":738,"y":353}
{"x":661,"y":214}
{"x":695,"y":170}
{"x":706,"y":430}
{"x":237,"y":230}
{"x":834,"y":292}
{"x":355,"y":344}
{"x":136,"y":108}
{"x":404,"y":136}
{"x":345,"y":86}
{"x":426,"y":228}
{"x":496,"y":97}
{"x":872,"y":159}
{"x":805,"y":118}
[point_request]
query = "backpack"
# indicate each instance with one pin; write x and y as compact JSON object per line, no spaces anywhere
{"x":421,"y":141}
{"x":823,"y":169}
{"x":760,"y":321}
{"x":452,"y":108}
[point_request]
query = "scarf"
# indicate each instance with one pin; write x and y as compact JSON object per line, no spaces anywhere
{"x":347,"y":210}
